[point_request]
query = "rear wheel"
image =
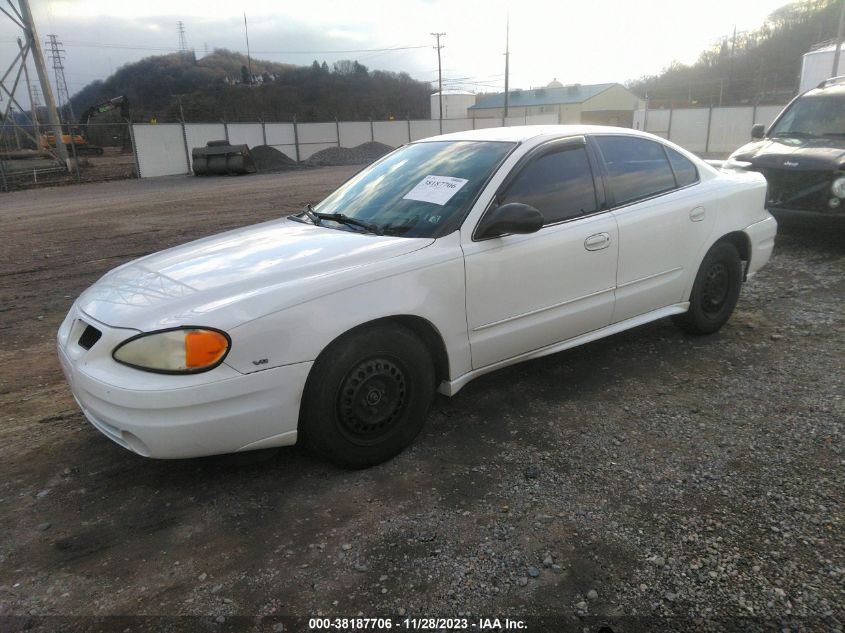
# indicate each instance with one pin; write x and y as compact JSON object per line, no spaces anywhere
{"x":715,"y":291}
{"x":367,"y":396}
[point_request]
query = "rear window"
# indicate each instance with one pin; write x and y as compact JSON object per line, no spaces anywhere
{"x":685,"y":171}
{"x":637,"y":168}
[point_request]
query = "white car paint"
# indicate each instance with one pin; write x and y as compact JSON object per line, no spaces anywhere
{"x":284,"y":290}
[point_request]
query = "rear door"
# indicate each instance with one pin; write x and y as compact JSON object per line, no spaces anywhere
{"x":525,"y":292}
{"x":663,"y":221}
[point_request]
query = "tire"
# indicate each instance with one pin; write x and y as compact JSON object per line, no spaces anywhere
{"x":715,"y":291}
{"x":367,"y":396}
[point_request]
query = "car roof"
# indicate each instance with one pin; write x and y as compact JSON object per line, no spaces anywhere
{"x":522,"y":133}
{"x":833,"y":89}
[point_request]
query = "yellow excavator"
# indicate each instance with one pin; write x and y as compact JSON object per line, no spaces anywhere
{"x":77,"y":136}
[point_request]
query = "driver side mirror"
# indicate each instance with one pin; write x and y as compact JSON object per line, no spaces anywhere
{"x":758,"y":131}
{"x":513,"y":217}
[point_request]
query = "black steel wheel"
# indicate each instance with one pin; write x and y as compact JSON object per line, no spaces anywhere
{"x":715,"y":288}
{"x":367,"y":396}
{"x":715,"y":291}
{"x":372,"y":399}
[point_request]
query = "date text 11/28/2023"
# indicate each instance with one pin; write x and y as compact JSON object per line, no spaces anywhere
{"x":415,"y":624}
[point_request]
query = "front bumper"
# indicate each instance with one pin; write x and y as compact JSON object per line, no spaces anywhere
{"x":826,"y":217}
{"x":179,"y":416}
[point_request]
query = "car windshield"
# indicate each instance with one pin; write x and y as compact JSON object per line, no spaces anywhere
{"x":813,"y":116}
{"x":420,"y":189}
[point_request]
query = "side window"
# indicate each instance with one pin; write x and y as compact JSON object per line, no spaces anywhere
{"x":637,"y":168}
{"x":560,"y":185}
{"x":685,"y":171}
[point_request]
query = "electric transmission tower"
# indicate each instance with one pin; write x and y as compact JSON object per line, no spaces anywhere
{"x":183,"y":41}
{"x":19,"y":16}
{"x":57,"y":54}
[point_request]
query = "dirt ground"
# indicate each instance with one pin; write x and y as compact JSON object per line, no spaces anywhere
{"x":35,"y":173}
{"x":649,"y":476}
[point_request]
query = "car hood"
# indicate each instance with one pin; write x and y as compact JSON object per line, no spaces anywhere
{"x":796,"y":154}
{"x":207,"y":282}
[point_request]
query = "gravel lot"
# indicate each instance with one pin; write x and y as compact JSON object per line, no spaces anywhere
{"x":648,"y":474}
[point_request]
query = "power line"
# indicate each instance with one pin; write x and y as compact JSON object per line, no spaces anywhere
{"x":291,"y":52}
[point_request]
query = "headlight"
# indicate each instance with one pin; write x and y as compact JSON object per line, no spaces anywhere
{"x":185,"y":350}
{"x":838,"y":187}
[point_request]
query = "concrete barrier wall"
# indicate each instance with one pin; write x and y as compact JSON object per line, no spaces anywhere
{"x":162,"y":150}
{"x":198,"y":134}
{"x":281,"y":136}
{"x":711,"y":131}
{"x":353,"y":133}
{"x":250,"y":134}
{"x":393,"y":133}
{"x":424,"y":129}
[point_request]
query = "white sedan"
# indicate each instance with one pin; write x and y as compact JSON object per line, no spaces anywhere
{"x":448,"y":258}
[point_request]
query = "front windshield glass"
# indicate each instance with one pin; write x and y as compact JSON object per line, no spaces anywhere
{"x":813,"y":116}
{"x":419,"y":189}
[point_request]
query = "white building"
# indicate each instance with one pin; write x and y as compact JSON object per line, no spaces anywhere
{"x":455,"y":104}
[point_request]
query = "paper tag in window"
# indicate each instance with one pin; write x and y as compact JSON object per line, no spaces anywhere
{"x":435,"y":189}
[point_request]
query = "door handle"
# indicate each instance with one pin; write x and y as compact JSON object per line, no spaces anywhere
{"x":697,"y":214}
{"x":597,"y":242}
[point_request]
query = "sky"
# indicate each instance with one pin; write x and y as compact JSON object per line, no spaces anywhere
{"x":588,"y":41}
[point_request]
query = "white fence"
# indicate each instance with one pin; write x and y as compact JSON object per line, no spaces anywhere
{"x":164,"y":149}
{"x":717,"y":130}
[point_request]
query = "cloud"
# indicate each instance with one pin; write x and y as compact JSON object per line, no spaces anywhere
{"x":588,"y":42}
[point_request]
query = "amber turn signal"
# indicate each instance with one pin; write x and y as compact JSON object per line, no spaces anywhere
{"x":204,"y":347}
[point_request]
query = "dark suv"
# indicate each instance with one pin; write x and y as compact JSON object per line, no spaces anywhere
{"x":802,"y":155}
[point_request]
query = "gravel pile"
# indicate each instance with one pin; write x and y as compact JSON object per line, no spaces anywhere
{"x":270,"y":159}
{"x":359,"y":155}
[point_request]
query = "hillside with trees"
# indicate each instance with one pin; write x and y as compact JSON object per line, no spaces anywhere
{"x":220,"y":86}
{"x":758,"y":66}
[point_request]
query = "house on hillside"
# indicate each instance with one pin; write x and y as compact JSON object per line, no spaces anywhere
{"x":595,"y":104}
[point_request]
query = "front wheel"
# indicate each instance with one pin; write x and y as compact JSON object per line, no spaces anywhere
{"x":715,"y":291}
{"x":367,"y":396}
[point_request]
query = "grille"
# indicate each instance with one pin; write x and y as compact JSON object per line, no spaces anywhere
{"x":90,"y":336}
{"x":798,"y":189}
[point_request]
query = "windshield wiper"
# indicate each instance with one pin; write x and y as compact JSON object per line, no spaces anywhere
{"x":309,"y":212}
{"x":340,"y":218}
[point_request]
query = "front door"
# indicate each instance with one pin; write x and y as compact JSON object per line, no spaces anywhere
{"x":525,"y":292}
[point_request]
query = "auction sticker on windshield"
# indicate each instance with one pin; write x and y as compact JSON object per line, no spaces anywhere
{"x":435,"y":189}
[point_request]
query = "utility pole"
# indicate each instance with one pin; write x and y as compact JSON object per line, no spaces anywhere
{"x":731,"y":63}
{"x":41,"y":68}
{"x":839,"y":34}
{"x":507,"y":64}
{"x":439,"y":80}
{"x":248,"y":57}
